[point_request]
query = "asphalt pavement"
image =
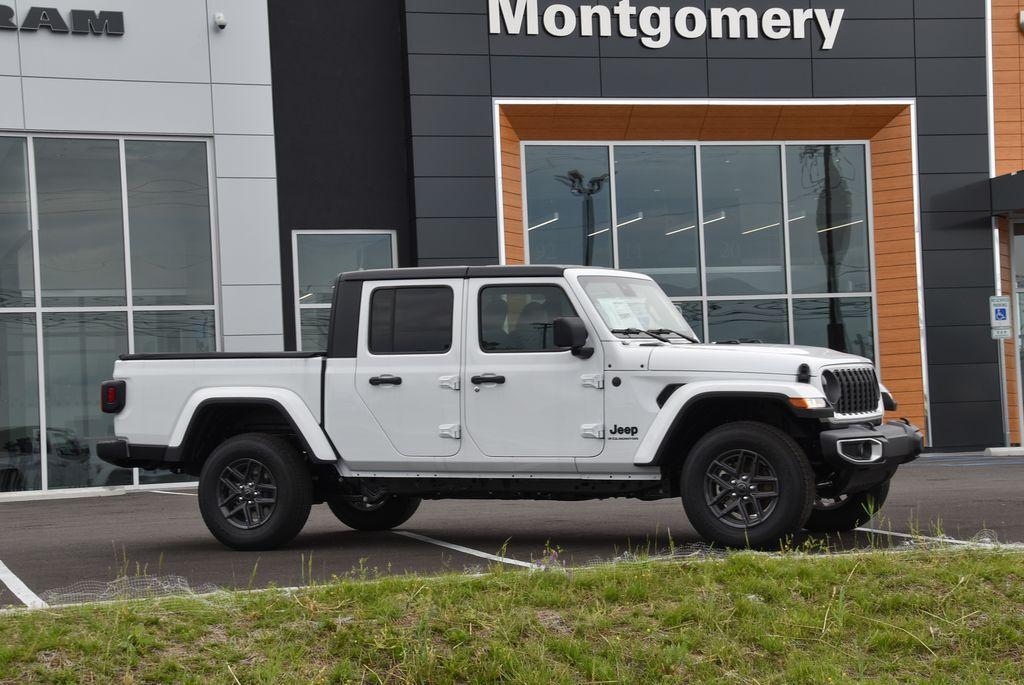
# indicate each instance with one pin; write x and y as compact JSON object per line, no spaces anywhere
{"x":68,"y":550}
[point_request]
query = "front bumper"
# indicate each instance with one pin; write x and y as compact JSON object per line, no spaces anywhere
{"x":120,"y":453}
{"x":871,"y":447}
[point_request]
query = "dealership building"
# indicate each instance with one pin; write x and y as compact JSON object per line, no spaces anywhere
{"x":191,"y":176}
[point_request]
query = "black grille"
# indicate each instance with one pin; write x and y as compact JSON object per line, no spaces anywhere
{"x":859,"y":391}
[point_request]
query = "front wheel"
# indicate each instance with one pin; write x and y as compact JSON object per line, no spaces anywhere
{"x":383,"y":514}
{"x":255,"y":492}
{"x":747,"y":484}
{"x":846,"y":512}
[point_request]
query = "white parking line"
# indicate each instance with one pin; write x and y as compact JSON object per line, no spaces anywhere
{"x":20,"y":590}
{"x":949,"y":541}
{"x":468,"y":550}
{"x":172,"y":492}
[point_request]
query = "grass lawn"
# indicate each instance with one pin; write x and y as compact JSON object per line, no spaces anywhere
{"x":932,"y":616}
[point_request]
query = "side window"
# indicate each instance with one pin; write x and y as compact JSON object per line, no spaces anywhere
{"x":520,"y":318}
{"x":411,"y":320}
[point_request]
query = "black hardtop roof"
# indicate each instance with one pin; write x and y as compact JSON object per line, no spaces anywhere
{"x":494,"y":271}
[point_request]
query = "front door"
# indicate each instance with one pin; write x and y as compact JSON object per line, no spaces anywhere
{"x":525,"y":397}
{"x":407,"y":367}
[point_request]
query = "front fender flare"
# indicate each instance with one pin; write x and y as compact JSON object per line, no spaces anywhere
{"x":295,"y":410}
{"x":665,"y":422}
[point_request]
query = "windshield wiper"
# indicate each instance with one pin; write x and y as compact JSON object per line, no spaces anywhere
{"x":638,"y":331}
{"x":669,"y":331}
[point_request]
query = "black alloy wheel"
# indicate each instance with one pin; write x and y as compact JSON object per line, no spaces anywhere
{"x":247,"y":493}
{"x":741,"y":488}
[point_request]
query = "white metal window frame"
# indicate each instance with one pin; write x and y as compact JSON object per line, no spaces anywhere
{"x":788,"y":296}
{"x":129,"y":308}
{"x":296,"y":295}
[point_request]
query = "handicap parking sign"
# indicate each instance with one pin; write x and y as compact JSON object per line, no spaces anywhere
{"x":999,"y":314}
{"x":999,"y":311}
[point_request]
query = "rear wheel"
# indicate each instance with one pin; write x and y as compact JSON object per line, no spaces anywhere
{"x":846,"y":512}
{"x":382,"y":514}
{"x":255,"y":492}
{"x":747,"y":484}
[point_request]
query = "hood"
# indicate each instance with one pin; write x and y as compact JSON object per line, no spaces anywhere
{"x":752,"y":358}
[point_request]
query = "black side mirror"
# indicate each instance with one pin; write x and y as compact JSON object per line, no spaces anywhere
{"x":570,"y":332}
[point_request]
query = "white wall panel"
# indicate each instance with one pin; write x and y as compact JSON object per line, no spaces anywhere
{"x":162,"y":41}
{"x":117,"y":106}
{"x":245,"y":156}
{"x":249,"y":240}
{"x":243,"y":109}
{"x":10,"y":61}
{"x":241,"y":52}
{"x":11,"y":114}
{"x":253,"y":343}
{"x":251,"y":310}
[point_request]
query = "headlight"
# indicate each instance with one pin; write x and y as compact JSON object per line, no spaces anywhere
{"x":831,"y":387}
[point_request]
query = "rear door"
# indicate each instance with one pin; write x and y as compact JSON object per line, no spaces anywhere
{"x":408,"y":363}
{"x":524,"y":396}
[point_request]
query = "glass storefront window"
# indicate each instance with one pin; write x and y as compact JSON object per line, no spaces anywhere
{"x":85,"y":215}
{"x":828,"y":226}
{"x":841,"y":323}
{"x":17,"y":287}
{"x":81,"y":229}
{"x":569,"y":208}
{"x":762,"y":321}
{"x":78,"y":353}
{"x":743,"y":232}
{"x":724,"y":254}
{"x":656,"y":202}
{"x":319,"y":257}
{"x":169,"y":222}
{"x":20,"y":454}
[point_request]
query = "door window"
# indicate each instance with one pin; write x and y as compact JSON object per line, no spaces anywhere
{"x":411,"y":320}
{"x":520,"y":318}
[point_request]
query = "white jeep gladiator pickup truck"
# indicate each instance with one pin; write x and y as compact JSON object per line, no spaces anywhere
{"x":512,"y":382}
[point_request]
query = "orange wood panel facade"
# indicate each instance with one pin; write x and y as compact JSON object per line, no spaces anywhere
{"x":1007,"y":82}
{"x":887,"y":127}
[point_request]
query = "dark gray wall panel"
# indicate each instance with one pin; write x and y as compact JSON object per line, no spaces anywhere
{"x":964,"y":382}
{"x":455,"y":197}
{"x":759,"y":77}
{"x":956,"y":115}
{"x":870,"y":38}
{"x":950,"y":38}
{"x":952,"y":154}
{"x":954,"y":192}
{"x":450,"y":156}
{"x":550,"y":76}
{"x":949,"y":8}
{"x":447,"y":34}
{"x":623,"y":77}
{"x":457,"y":238}
{"x":458,"y":261}
{"x":871,"y":9}
{"x":544,"y":45}
{"x":440,"y":115}
{"x":956,"y":306}
{"x":449,"y":75}
{"x":863,"y":77}
{"x":454,"y":6}
{"x":956,"y":231}
{"x":958,"y":269}
{"x":745,"y":48}
{"x":960,"y":345}
{"x":967,"y":424}
{"x":953,"y":76}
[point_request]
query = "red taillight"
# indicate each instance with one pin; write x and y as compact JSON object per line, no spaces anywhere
{"x":112,"y":396}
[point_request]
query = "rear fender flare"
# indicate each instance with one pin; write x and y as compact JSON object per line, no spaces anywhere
{"x":675,"y":407}
{"x":306,"y":425}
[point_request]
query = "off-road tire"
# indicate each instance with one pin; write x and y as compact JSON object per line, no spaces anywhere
{"x":294,"y":491}
{"x":391,"y":513}
{"x":853,"y":512}
{"x":794,"y":484}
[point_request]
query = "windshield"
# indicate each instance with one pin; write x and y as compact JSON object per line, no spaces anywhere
{"x":631,"y":306}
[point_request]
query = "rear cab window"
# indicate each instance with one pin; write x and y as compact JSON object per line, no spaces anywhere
{"x":411,"y":320}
